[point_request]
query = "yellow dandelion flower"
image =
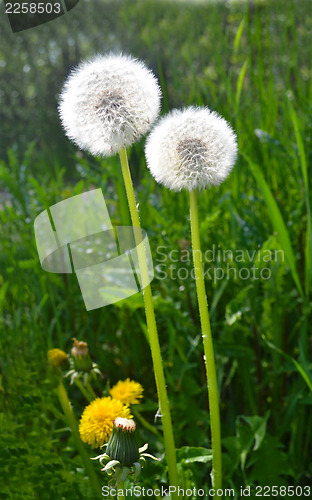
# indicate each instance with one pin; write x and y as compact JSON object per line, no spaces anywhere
{"x":127,"y":391}
{"x":96,"y":423}
{"x":57,"y":357}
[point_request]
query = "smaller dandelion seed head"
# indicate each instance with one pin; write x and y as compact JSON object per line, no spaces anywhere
{"x":109,"y":102}
{"x":191,"y":148}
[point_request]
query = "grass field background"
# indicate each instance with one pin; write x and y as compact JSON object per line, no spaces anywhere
{"x":251,"y":62}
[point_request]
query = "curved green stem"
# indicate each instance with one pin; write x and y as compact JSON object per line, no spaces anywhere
{"x":152,"y":328}
{"x":71,"y":420}
{"x":91,"y":391}
{"x":83,"y":390}
{"x":208,"y":347}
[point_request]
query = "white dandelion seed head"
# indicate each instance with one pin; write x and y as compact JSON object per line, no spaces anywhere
{"x":109,"y":102}
{"x":191,"y":148}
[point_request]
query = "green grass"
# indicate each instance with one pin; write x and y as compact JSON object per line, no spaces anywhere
{"x":251,"y":63}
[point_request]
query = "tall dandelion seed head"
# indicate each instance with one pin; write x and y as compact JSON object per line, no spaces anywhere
{"x":191,"y":148}
{"x":109,"y":102}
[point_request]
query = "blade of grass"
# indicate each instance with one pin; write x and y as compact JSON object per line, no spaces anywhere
{"x":304,"y":168}
{"x":300,"y":369}
{"x":239,"y":87}
{"x":3,"y":291}
{"x":239,"y":35}
{"x":277,"y":222}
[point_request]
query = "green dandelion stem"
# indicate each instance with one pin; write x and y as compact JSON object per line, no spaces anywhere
{"x":91,"y":391}
{"x":208,"y":347}
{"x":83,"y":390}
{"x":121,"y":490}
{"x":152,"y":328}
{"x":72,"y":423}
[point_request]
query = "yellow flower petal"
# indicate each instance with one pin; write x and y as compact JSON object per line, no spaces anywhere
{"x":57,"y":357}
{"x":96,"y":423}
{"x":127,"y":391}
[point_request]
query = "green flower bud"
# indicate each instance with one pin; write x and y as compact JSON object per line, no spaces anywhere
{"x":122,"y":445}
{"x":80,"y":354}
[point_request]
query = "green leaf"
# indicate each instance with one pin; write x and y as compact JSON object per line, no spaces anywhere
{"x":277,"y":222}
{"x":258,"y":426}
{"x":301,"y":370}
{"x":237,"y":306}
{"x":190,"y":454}
{"x":254,"y":433}
{"x":269,"y":465}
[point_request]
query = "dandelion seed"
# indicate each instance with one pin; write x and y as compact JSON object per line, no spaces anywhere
{"x":109,"y":102}
{"x":191,"y":148}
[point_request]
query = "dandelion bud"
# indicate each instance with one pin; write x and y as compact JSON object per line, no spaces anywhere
{"x":57,"y":358}
{"x":109,"y":102}
{"x":191,"y":148}
{"x":122,"y":445}
{"x":123,"y":458}
{"x":80,"y":354}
